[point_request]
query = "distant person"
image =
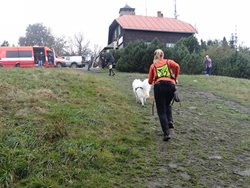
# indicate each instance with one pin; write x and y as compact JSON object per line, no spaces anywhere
{"x":40,"y":59}
{"x":110,"y":62}
{"x":163,"y":74}
{"x":103,"y":60}
{"x":50,"y":58}
{"x":90,"y":64}
{"x":208,"y":65}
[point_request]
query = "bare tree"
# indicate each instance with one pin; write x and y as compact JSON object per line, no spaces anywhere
{"x":70,"y":47}
{"x":96,"y":51}
{"x":94,"y":57}
{"x":79,"y":46}
{"x":59,"y":45}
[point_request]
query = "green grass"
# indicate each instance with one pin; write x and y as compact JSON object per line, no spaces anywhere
{"x":71,"y":128}
{"x":234,"y":89}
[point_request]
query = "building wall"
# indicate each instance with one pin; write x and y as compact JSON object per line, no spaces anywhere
{"x":148,"y":36}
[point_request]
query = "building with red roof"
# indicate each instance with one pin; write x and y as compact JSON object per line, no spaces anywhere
{"x":129,"y":27}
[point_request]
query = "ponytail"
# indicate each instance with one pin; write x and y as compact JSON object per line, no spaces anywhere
{"x":158,"y":54}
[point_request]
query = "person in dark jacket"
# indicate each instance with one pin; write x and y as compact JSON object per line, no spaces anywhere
{"x":208,"y":65}
{"x":163,"y":74}
{"x":103,"y":60}
{"x":110,"y":61}
{"x":40,"y":59}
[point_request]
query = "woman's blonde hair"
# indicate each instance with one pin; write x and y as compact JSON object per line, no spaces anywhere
{"x":158,"y":54}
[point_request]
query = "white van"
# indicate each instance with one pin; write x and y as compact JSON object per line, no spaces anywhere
{"x":74,"y":61}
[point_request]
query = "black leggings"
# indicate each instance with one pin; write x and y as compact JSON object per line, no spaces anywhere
{"x":164,"y":93}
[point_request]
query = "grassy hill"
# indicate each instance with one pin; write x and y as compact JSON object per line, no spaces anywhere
{"x":71,"y":128}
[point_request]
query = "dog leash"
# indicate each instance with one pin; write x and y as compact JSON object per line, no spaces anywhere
{"x":153,"y":108}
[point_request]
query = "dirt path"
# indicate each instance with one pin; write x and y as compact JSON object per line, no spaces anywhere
{"x":210,"y":96}
{"x":210,"y":144}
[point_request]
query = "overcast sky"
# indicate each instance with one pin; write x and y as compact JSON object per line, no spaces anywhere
{"x":213,"y":19}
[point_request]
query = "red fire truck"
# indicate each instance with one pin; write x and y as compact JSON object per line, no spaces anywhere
{"x":27,"y":56}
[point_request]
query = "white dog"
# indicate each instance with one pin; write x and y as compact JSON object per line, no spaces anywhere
{"x":141,"y":90}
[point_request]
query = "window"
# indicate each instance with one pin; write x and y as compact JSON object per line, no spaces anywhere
{"x":25,"y":54}
{"x":170,"y":45}
{"x":20,"y":54}
{"x":12,"y":54}
{"x":117,"y":33}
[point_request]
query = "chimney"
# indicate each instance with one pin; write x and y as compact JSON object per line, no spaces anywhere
{"x":159,"y":14}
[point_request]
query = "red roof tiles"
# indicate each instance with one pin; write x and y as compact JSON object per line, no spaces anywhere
{"x":150,"y":23}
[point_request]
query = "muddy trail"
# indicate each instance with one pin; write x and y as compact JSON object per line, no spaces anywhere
{"x":210,"y":145}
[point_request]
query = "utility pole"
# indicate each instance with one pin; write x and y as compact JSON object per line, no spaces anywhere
{"x":175,"y":10}
{"x":146,"y":7}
